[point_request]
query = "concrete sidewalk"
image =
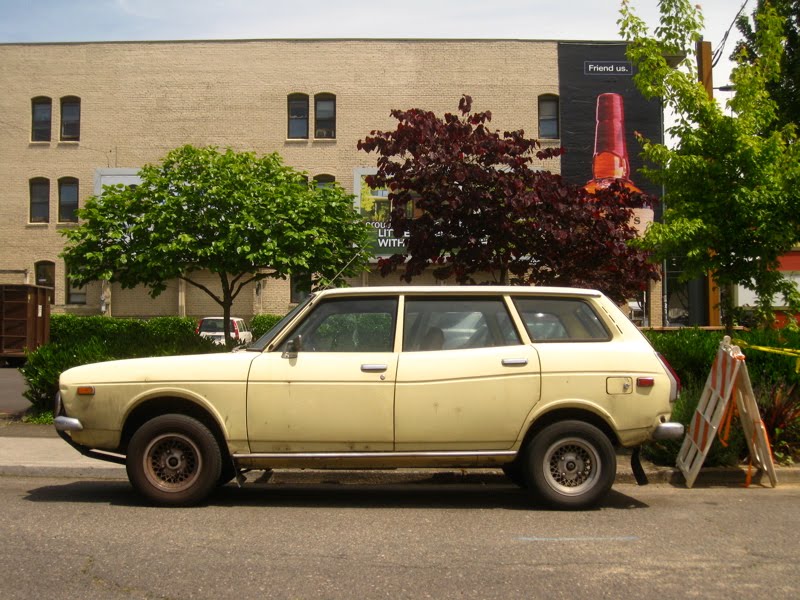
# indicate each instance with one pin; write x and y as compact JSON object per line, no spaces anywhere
{"x":37,"y":451}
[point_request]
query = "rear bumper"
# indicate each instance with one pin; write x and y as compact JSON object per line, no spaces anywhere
{"x":668,"y":431}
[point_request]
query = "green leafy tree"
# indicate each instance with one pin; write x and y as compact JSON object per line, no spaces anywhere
{"x":731,"y":181}
{"x":482,"y":211}
{"x":785,"y":89}
{"x":239,"y":216}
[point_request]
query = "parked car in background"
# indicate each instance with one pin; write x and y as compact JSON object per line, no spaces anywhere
{"x":543,"y":383}
{"x":212,"y":328}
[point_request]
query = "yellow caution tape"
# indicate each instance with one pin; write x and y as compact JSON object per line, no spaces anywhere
{"x":783,"y":351}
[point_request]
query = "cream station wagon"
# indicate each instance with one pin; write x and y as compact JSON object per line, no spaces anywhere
{"x":543,"y":383}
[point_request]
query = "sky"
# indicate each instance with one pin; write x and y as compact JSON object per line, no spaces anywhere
{"x":137,"y":20}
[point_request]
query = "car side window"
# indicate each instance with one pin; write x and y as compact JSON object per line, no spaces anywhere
{"x":453,"y":323}
{"x":348,"y":325}
{"x":560,"y":320}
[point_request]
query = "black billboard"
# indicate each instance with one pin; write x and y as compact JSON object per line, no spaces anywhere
{"x":600,"y":111}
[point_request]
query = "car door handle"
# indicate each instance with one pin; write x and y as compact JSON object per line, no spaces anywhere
{"x":515,"y":362}
{"x":374,"y":368}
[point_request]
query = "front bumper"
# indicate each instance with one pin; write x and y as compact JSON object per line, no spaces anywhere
{"x":668,"y":431}
{"x":63,"y":424}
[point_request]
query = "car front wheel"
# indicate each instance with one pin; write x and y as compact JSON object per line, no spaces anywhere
{"x":570,"y":465}
{"x":174,"y":460}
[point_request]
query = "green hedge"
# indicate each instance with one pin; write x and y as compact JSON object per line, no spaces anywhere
{"x":776,"y":384}
{"x":261,"y":324}
{"x":78,"y":340}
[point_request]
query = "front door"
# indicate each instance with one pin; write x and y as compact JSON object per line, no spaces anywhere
{"x":334,"y":391}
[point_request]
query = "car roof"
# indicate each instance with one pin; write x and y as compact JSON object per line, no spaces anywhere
{"x":220,"y":318}
{"x":460,"y":290}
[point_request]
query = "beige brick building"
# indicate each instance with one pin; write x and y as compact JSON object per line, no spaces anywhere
{"x":79,"y":115}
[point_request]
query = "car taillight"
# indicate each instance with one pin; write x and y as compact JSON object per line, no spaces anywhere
{"x":197,"y":329}
{"x":671,"y":372}
{"x":235,"y":330}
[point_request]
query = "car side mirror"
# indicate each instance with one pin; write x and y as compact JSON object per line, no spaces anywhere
{"x":293,"y":346}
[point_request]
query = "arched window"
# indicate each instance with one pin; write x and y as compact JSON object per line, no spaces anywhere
{"x":548,"y":117}
{"x":324,"y":180}
{"x":40,"y":200}
{"x":67,"y":200}
{"x":41,"y":118}
{"x":325,"y":116}
{"x":70,"y":119}
{"x":45,"y":273}
{"x":297,"y":111}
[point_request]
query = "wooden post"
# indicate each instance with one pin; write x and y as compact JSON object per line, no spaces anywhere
{"x":705,"y":76}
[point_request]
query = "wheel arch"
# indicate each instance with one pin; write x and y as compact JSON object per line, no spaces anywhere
{"x":171,"y":404}
{"x":571,"y":413}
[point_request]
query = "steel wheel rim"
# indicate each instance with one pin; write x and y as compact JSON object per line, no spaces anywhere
{"x":172,"y":462}
{"x":571,"y":466}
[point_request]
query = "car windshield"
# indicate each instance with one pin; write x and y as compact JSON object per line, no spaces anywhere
{"x":213,"y":326}
{"x":264,"y":340}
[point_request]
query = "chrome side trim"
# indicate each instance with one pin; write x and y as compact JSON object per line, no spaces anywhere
{"x":63,"y":423}
{"x":428,"y":454}
{"x":668,"y":431}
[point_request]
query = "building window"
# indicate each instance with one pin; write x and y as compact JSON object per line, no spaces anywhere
{"x":68,"y":200}
{"x":298,"y":116}
{"x":70,"y":119}
{"x":323,"y":181}
{"x":41,"y":115}
{"x":40,"y":200}
{"x":45,"y":272}
{"x":548,"y":117}
{"x":75,"y":294}
{"x":325,"y":116}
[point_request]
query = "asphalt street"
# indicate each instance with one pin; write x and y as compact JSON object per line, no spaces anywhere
{"x":88,"y":539}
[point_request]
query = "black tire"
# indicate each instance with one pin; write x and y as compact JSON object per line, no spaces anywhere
{"x":174,"y":460}
{"x":570,"y":465}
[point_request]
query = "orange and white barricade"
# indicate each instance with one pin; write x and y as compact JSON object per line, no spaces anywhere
{"x":727,"y":381}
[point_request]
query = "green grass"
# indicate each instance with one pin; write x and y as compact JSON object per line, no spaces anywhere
{"x":43,"y":417}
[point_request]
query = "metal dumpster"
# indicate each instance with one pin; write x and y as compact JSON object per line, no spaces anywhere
{"x":24,"y":320}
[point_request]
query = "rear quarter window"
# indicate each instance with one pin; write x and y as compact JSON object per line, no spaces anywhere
{"x":561,"y":320}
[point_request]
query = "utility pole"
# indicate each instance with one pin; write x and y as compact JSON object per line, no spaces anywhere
{"x":705,"y":77}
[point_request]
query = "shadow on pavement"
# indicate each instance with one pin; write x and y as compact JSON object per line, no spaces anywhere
{"x":327,"y":495}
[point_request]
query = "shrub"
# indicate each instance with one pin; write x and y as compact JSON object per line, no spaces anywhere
{"x":690,"y":351}
{"x":775,"y":380}
{"x":45,"y":365}
{"x":666,"y":452}
{"x":81,"y":340}
{"x":261,"y":324}
{"x":779,"y":405}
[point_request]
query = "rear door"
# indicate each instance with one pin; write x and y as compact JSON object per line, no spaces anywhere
{"x":465,"y":380}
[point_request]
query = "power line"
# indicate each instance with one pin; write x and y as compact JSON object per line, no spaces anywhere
{"x":721,"y":46}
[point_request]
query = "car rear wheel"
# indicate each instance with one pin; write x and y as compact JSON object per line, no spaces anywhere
{"x":174,"y":460}
{"x":570,"y":465}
